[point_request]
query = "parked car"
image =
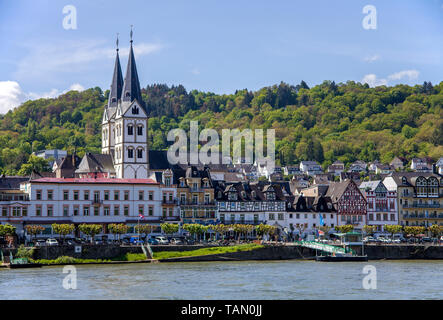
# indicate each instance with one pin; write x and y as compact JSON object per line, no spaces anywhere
{"x":152,"y":241}
{"x":426,"y":239}
{"x":135,"y":240}
{"x":176,"y":241}
{"x":51,"y":242}
{"x":40,"y":243}
{"x":162,"y":240}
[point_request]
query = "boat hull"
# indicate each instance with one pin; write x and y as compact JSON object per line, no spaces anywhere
{"x":341,"y":258}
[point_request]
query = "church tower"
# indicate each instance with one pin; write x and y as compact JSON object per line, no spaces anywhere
{"x":108,"y":122}
{"x":131,"y":158}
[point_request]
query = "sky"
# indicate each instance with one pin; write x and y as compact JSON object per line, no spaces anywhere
{"x":217,"y":46}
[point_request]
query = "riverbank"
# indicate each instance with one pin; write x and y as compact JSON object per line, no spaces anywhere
{"x":93,"y":254}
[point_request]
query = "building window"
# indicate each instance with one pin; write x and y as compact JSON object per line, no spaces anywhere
{"x":140,"y":195}
{"x":280,"y":216}
{"x":24,"y":212}
{"x":168,"y":181}
{"x":85,"y":210}
{"x":50,"y":193}
{"x":150,"y":211}
{"x":126,"y":210}
{"x":139,"y":153}
{"x":140,"y":210}
{"x":106,"y":211}
{"x":130,"y":153}
{"x":65,"y":211}
{"x":106,"y":195}
{"x":116,"y":195}
{"x":271,"y":216}
{"x":75,"y":195}
{"x":65,"y":195}
{"x":164,"y":212}
{"x":140,"y":130}
{"x":134,"y":108}
{"x":38,"y":211}
{"x":116,"y":210}
{"x":151,"y":195}
{"x":38,"y":195}
{"x":126,"y":195}
{"x":75,"y":211}
{"x":86,"y":195}
{"x":130,"y":130}
{"x":49,"y":211}
{"x":96,"y":211}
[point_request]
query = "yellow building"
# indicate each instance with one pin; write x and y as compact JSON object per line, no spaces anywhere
{"x":195,"y":194}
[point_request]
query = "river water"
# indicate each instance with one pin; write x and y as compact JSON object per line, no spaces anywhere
{"x":292,"y":279}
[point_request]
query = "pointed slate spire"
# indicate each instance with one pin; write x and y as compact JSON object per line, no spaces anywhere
{"x":117,"y":83}
{"x":131,"y":86}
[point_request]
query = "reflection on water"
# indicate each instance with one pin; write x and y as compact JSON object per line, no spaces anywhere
{"x":292,"y":279}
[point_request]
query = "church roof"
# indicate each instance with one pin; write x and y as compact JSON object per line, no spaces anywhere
{"x":131,"y":86}
{"x":116,"y":86}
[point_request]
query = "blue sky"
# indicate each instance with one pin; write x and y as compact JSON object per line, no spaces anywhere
{"x":216,"y":46}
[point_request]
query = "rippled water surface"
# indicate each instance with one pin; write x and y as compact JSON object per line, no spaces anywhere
{"x":292,"y":279}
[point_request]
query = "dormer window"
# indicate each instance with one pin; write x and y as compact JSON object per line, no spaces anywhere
{"x":232,"y":196}
{"x":270,"y":196}
{"x":134,"y":110}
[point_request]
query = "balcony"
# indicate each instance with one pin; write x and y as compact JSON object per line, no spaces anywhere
{"x":422,"y":205}
{"x":170,"y":201}
{"x":196,"y":203}
{"x":240,"y":221}
{"x":97,"y":202}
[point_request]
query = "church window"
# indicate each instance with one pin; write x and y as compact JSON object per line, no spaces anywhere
{"x":139,"y":153}
{"x":130,"y":130}
{"x":130,"y":153}
{"x":134,"y":110}
{"x":140,"y":130}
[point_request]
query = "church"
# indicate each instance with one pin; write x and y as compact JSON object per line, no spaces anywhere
{"x":125,"y":123}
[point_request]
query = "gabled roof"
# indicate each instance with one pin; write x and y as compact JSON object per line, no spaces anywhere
{"x":96,"y":163}
{"x":11,"y":182}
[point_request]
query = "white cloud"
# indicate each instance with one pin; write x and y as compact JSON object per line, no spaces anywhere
{"x":410,"y":74}
{"x":373,"y":81}
{"x":49,"y":60}
{"x":372,"y":58}
{"x":12,"y":95}
{"x":195,"y":71}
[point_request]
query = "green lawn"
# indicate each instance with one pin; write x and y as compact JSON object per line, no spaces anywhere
{"x":206,"y":251}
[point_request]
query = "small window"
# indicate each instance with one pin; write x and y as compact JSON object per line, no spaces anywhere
{"x":139,"y":153}
{"x":140,"y":130}
{"x":130,"y":130}
{"x":134,"y":108}
{"x":130,"y":153}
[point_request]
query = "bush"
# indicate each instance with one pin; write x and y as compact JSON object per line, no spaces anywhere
{"x":23,"y":252}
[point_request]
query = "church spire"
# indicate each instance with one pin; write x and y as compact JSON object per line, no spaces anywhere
{"x":131,"y":86}
{"x":117,"y":82}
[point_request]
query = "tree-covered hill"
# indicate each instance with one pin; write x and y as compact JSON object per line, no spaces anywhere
{"x":324,"y":123}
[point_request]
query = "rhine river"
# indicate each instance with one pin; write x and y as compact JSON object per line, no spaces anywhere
{"x":291,"y":279}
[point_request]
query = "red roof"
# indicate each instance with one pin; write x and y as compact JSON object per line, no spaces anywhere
{"x":95,"y":180}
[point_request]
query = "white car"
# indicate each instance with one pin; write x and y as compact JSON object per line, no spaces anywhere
{"x":51,"y":242}
{"x":162,"y":240}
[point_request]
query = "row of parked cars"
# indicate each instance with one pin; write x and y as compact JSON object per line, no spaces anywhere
{"x":401,"y":239}
{"x":133,"y":240}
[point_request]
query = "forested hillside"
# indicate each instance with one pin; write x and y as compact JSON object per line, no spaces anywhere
{"x":324,"y":123}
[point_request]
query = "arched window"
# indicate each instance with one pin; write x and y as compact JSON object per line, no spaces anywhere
{"x":140,"y":130}
{"x":130,"y":153}
{"x":421,"y":185}
{"x":130,"y":130}
{"x":134,"y":110}
{"x":140,"y":153}
{"x":432,"y":187}
{"x":127,"y":94}
{"x":114,"y":100}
